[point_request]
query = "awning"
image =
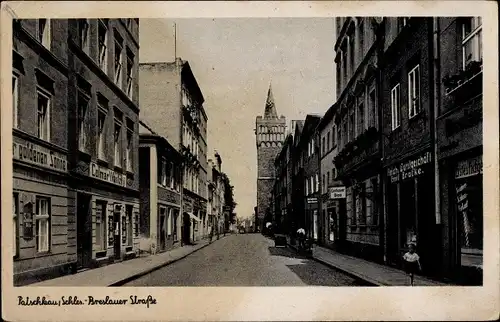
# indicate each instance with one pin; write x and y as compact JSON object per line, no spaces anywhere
{"x":192,"y":216}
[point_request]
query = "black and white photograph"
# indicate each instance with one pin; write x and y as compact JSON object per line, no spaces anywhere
{"x":215,"y":152}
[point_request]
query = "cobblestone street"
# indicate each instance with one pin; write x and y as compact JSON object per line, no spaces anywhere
{"x":245,"y":260}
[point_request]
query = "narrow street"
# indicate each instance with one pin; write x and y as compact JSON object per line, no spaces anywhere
{"x":245,"y":260}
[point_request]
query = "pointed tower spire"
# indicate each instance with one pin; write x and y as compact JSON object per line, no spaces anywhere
{"x":270,"y":111}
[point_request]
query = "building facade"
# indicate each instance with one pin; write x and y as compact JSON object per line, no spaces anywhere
{"x":283,"y":187}
{"x":44,"y":232}
{"x":459,"y":145}
{"x":358,"y":135}
{"x":408,"y":126}
{"x":160,"y":167}
{"x":216,"y":194}
{"x":308,"y":149}
{"x":103,"y":138}
{"x":269,"y":137}
{"x":298,"y":183}
{"x":330,"y":204}
{"x":173,"y":105}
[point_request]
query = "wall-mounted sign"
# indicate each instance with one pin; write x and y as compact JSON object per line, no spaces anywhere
{"x":470,"y":167}
{"x":111,"y":237}
{"x":312,"y":200}
{"x":409,"y":169}
{"x":39,"y":155}
{"x":337,"y":192}
{"x":108,"y":175}
{"x":28,"y":225}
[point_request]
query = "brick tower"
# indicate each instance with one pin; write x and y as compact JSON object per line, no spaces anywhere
{"x":269,"y":137}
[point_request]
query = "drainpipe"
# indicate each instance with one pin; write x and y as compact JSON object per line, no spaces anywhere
{"x":436,"y":104}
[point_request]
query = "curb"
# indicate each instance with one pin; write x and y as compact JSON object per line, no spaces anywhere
{"x":150,"y":270}
{"x":358,"y":277}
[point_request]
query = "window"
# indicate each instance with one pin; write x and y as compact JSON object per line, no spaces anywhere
{"x":471,"y":40}
{"x":327,"y":177}
{"x":44,"y":32}
{"x":171,"y":175}
{"x":101,"y":124}
{"x":307,"y":186}
{"x":352,"y":52}
{"x":353,"y":211}
{"x":43,"y":116}
{"x":344,"y":64}
{"x":361,"y":116}
{"x":118,"y":60}
{"x":15,"y":221}
{"x":130,"y":69}
{"x":128,"y":211}
{"x":130,"y":149}
{"x":345,"y":136}
{"x":316,"y":182}
{"x":42,"y":219}
{"x":328,"y":142}
{"x":395,"y":107}
{"x":102,"y":35}
{"x":414,"y":91}
{"x":117,"y":139}
{"x":15,"y":101}
{"x":323,"y":147}
{"x":334,"y":143}
{"x":176,"y":215}
{"x":83,"y":103}
{"x":163,"y":172}
{"x":100,"y":225}
{"x":361,"y":204}
{"x":352,"y":124}
{"x":83,"y":33}
{"x":373,"y":108}
{"x":361,"y":33}
{"x":323,"y":184}
{"x":339,"y":136}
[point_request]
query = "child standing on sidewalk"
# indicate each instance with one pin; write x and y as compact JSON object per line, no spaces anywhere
{"x":412,"y":262}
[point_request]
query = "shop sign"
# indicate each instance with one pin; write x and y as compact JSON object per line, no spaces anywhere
{"x":108,"y":175}
{"x":470,"y":167}
{"x":337,"y":192}
{"x":312,"y":200}
{"x":39,"y":155}
{"x":111,"y":237}
{"x":409,"y":169}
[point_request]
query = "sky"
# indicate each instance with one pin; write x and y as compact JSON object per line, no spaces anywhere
{"x":234,"y":61}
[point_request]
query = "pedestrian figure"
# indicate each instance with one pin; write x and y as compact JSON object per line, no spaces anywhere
{"x":412,"y":262}
{"x":301,"y":234}
{"x":211,"y":234}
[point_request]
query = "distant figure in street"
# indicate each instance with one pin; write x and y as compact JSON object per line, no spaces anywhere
{"x":211,"y":234}
{"x":301,"y":236}
{"x":412,"y":262}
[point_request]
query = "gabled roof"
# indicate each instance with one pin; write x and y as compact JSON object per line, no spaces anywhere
{"x":310,"y":124}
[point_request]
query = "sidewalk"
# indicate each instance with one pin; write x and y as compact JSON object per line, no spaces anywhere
{"x":370,"y":272}
{"x":123,"y":272}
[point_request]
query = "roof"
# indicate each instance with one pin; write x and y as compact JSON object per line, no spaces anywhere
{"x":270,"y":110}
{"x":330,"y":113}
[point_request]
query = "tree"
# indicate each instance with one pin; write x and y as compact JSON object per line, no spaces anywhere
{"x":229,"y":197}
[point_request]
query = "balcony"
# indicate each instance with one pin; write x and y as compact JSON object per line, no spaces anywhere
{"x":466,"y":84}
{"x":357,"y":151}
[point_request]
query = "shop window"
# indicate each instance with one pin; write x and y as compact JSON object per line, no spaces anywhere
{"x":332,"y":224}
{"x":43,"y":116}
{"x":42,"y":219}
{"x":408,"y":212}
{"x":83,"y":34}
{"x":374,"y":200}
{"x":125,"y":226}
{"x":176,"y":218}
{"x":83,"y":104}
{"x":100,"y":225}
{"x":102,"y":35}
{"x":471,"y":40}
{"x":44,"y":32}
{"x":15,"y":223}
{"x":15,"y":101}
{"x":414,"y":92}
{"x":169,"y":222}
{"x":395,"y":107}
{"x":118,"y":60}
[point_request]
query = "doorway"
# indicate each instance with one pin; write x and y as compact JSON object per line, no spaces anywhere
{"x":84,"y":230}
{"x":162,"y":228}
{"x":117,"y":240}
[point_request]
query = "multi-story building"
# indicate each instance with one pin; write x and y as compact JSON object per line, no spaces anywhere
{"x":459,"y":142}
{"x":283,"y":187}
{"x":103,"y":138}
{"x":160,"y":167}
{"x":44,"y":236}
{"x":269,"y":137}
{"x":358,"y":136}
{"x":216,"y":194}
{"x":332,"y":191}
{"x":298,"y":184}
{"x":308,"y":149}
{"x":407,"y":126}
{"x":173,"y":105}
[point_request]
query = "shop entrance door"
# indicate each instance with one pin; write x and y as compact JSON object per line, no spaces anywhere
{"x":117,"y":240}
{"x":162,"y":229}
{"x":84,"y":231}
{"x":342,"y":222}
